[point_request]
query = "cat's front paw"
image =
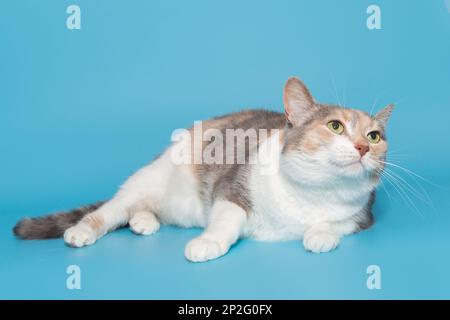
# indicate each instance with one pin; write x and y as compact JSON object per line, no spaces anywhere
{"x":201,"y":249}
{"x":80,"y":235}
{"x":318,"y":241}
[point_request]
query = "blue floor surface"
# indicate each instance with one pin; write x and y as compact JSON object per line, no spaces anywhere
{"x":410,"y":249}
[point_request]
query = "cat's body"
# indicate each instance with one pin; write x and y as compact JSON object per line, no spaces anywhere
{"x":303,"y":180}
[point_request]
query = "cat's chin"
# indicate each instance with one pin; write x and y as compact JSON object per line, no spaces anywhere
{"x":353,"y":169}
{"x":351,"y":165}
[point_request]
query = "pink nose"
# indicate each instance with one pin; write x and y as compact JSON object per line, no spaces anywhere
{"x":362,"y":149}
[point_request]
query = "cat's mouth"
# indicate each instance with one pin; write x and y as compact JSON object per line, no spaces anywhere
{"x":349,"y":165}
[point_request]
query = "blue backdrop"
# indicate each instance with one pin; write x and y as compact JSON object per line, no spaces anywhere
{"x":80,"y":110}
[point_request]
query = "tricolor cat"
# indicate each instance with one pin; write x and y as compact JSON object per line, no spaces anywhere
{"x":326,"y":163}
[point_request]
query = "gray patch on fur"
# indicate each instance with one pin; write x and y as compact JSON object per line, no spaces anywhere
{"x":51,"y":226}
{"x":230,"y":181}
{"x":365,"y":219}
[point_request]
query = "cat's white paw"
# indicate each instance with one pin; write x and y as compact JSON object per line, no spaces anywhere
{"x":319,"y":241}
{"x":144,"y":223}
{"x":80,"y":235}
{"x":201,"y":249}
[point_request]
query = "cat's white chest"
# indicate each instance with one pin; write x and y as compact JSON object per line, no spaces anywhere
{"x":276,"y":214}
{"x":281,"y":212}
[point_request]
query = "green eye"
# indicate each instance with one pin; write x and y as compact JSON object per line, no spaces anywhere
{"x":374,"y":137}
{"x":335,"y":126}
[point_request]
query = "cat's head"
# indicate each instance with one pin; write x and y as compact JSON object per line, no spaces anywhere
{"x":326,"y":143}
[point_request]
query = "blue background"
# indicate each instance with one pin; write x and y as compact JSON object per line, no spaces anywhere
{"x":80,"y":110}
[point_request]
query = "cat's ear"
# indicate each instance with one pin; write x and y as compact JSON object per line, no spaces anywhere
{"x":298,"y":102}
{"x":384,"y":114}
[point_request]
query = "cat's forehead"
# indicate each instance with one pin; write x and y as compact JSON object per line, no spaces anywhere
{"x":351,"y":117}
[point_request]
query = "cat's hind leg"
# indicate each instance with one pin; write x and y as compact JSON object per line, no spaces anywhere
{"x":223,"y":230}
{"x":96,"y":224}
{"x":135,"y":203}
{"x":107,"y":218}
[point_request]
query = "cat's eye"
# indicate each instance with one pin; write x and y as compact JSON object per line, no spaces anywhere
{"x":374,"y":137}
{"x":336,"y":126}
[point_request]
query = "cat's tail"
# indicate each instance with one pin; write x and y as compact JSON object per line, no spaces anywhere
{"x":53,"y":225}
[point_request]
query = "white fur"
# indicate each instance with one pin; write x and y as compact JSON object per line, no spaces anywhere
{"x":321,"y":239}
{"x":309,"y":203}
{"x":80,"y":235}
{"x":305,"y":200}
{"x":168,"y":192}
{"x":224,"y":228}
{"x":144,"y":223}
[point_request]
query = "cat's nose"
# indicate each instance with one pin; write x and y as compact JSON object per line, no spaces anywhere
{"x":362,"y":149}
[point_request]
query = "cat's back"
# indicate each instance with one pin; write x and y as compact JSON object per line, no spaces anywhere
{"x":230,"y":140}
{"x":247,"y":119}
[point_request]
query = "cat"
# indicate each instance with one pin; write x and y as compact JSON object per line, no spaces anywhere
{"x":328,"y":162}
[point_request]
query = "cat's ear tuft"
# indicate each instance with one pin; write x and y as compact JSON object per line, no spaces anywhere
{"x":384,"y":114}
{"x":298,"y":102}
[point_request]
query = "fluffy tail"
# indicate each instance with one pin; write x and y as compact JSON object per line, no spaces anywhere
{"x":51,"y":226}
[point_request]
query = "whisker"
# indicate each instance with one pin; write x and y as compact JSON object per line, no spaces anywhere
{"x":373,"y":104}
{"x":403,"y":187}
{"x":343,"y":94}
{"x":425,"y":198}
{"x":410,"y":172}
{"x":407,"y":200}
{"x":335,"y":89}
{"x":385,"y":189}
